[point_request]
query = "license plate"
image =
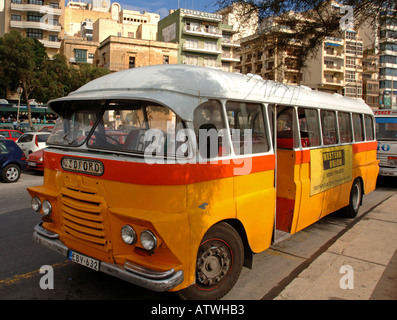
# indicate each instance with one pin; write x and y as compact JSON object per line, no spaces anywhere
{"x":32,"y":164}
{"x":392,"y":162}
{"x":84,"y":260}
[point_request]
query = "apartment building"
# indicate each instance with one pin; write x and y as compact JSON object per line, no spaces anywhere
{"x":120,"y":53}
{"x":202,"y":37}
{"x":381,"y":39}
{"x":259,"y":55}
{"x":95,"y":31}
{"x":38,"y":19}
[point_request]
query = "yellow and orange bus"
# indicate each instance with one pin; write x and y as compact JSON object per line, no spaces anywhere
{"x":171,"y":177}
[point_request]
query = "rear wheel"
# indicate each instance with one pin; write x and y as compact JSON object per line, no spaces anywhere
{"x":11,"y":173}
{"x":356,"y":195}
{"x":219,"y":262}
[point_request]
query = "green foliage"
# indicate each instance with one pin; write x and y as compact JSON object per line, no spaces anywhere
{"x":24,"y":62}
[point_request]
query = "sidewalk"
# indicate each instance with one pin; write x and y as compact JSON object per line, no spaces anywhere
{"x":360,"y":265}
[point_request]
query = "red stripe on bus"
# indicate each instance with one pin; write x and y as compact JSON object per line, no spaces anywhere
{"x":169,"y":174}
{"x":365,"y":146}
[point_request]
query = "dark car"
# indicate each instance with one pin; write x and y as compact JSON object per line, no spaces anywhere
{"x":12,"y":161}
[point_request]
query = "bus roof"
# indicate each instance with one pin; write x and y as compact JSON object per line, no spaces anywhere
{"x":183,"y":87}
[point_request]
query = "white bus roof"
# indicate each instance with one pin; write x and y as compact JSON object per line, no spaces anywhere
{"x":183,"y":87}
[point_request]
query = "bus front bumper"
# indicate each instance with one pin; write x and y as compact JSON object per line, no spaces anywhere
{"x":135,"y":274}
{"x":386,"y":171}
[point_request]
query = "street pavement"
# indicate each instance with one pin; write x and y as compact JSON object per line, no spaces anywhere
{"x":360,"y":265}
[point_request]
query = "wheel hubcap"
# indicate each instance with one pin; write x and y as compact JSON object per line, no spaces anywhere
{"x":213,"y":263}
{"x":12,"y":174}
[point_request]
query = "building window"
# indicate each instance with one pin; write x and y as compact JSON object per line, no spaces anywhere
{"x":34,"y":33}
{"x":15,"y":17}
{"x":53,"y":38}
{"x":80,"y":55}
{"x":131,"y":62}
{"x":34,"y":16}
{"x":39,"y":2}
{"x":166,"y":59}
{"x":192,"y":60}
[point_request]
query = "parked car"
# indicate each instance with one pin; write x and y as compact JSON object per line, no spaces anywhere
{"x":24,"y":127}
{"x":10,"y":134}
{"x":12,"y":161}
{"x":33,"y":141}
{"x":36,"y":160}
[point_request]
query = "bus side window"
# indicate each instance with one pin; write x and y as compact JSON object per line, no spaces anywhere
{"x":208,"y":120}
{"x":309,"y":127}
{"x":244,"y":116}
{"x":286,"y":128}
{"x":345,"y":127}
{"x":358,"y":128}
{"x":369,"y":128}
{"x":328,"y":125}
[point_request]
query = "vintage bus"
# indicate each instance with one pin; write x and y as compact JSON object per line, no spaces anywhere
{"x":386,"y":133}
{"x":172,"y":177}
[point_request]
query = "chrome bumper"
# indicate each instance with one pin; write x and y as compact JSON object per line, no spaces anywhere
{"x":138,"y":275}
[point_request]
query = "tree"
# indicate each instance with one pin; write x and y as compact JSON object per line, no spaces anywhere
{"x":21,"y":62}
{"x":309,"y":21}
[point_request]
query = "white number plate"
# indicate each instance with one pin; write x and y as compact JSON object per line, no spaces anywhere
{"x":32,"y":164}
{"x":83,"y":260}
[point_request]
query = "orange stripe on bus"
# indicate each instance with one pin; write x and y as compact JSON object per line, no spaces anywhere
{"x":169,"y":174}
{"x":365,"y":146}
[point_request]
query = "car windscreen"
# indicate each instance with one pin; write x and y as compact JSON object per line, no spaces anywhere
{"x":386,"y":129}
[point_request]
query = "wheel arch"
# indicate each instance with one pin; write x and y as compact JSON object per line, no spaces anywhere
{"x":238,"y":226}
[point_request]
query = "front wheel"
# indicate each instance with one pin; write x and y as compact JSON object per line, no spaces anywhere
{"x":356,"y":195}
{"x":219,"y":262}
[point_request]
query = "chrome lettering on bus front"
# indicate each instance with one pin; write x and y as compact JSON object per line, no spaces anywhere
{"x":93,"y":167}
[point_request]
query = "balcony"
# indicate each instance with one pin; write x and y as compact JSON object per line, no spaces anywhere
{"x":202,"y":31}
{"x":25,"y":7}
{"x":333,"y":81}
{"x":230,"y":43}
{"x":228,"y":57}
{"x":35,"y":25}
{"x":201,"y":48}
{"x":333,"y":67}
{"x":51,"y":44}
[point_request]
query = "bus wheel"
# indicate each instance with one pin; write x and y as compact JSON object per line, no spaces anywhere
{"x":356,"y":195}
{"x":219,"y":262}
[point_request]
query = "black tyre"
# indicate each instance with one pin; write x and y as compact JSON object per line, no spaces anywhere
{"x":11,"y":173}
{"x":219,"y":262}
{"x":356,"y":195}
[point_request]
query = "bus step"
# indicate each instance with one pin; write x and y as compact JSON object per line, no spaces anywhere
{"x":280,"y":236}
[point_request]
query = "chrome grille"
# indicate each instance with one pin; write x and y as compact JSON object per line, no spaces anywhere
{"x":82,"y":216}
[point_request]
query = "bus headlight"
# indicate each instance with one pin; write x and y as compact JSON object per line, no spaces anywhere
{"x":148,"y":240}
{"x":46,"y":207}
{"x":128,"y":234}
{"x":36,"y":204}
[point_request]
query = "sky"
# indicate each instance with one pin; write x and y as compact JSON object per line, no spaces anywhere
{"x":163,"y":6}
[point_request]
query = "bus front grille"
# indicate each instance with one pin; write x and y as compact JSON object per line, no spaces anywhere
{"x":83,"y":217}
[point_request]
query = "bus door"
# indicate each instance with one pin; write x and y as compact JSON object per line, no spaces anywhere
{"x":295,"y":207}
{"x":285,"y":142}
